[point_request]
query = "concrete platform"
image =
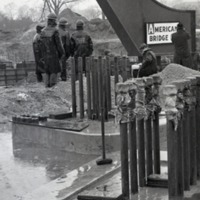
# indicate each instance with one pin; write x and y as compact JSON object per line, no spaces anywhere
{"x":87,"y":141}
{"x":86,"y":138}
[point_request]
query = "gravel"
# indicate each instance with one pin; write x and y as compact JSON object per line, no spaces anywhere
{"x":176,"y":72}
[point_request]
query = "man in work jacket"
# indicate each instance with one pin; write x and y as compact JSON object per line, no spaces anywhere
{"x":38,"y":53}
{"x":82,"y":45}
{"x":149,"y":62}
{"x":181,"y":48}
{"x":65,"y":38}
{"x":53,"y":51}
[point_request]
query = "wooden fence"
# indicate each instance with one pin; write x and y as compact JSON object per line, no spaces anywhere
{"x":98,"y":76}
{"x":10,"y":76}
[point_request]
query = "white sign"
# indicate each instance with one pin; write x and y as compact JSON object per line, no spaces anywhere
{"x":160,"y":33}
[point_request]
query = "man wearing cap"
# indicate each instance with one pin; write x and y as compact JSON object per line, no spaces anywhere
{"x":149,"y":62}
{"x":181,"y":48}
{"x":65,"y":38}
{"x":52,"y":49}
{"x":82,"y":44}
{"x":38,"y":53}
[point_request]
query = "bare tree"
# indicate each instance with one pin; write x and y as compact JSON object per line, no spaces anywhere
{"x":91,"y":12}
{"x":55,"y":6}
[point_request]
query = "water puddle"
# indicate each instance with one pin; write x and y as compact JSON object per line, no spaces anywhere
{"x":25,"y":168}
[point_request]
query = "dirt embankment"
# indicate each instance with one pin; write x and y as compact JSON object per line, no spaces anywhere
{"x":30,"y":97}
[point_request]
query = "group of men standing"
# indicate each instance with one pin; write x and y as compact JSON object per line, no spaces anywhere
{"x":53,"y":46}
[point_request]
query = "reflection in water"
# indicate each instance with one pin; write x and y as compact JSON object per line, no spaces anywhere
{"x":26,"y":168}
{"x":56,"y":162}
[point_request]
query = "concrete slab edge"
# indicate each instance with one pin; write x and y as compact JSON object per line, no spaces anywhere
{"x":100,"y":179}
{"x":92,"y":183}
{"x":69,"y":185}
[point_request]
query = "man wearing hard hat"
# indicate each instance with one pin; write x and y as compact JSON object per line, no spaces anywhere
{"x":149,"y":62}
{"x":65,"y":38}
{"x":82,"y":44}
{"x":38,"y":53}
{"x":52,"y":49}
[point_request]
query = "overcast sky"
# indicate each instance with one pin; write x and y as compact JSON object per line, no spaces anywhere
{"x":38,"y":3}
{"x":18,"y":3}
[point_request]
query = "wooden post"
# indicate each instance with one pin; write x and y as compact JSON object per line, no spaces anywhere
{"x":122,"y":90}
{"x":140,"y":100}
{"x":170,"y":92}
{"x":109,"y":98}
{"x":88,"y":70}
{"x":81,"y":93}
{"x":95,"y":91}
{"x":148,"y":126}
{"x":99,"y":74}
{"x":128,"y":68}
{"x":156,"y":137}
{"x":73,"y":85}
{"x":186,"y":135}
{"x":101,"y":105}
{"x":180,"y":103}
{"x":124,"y":68}
{"x":124,"y":160}
{"x":193,"y":135}
{"x":105,"y":88}
{"x":116,"y":70}
{"x":97,"y":63}
{"x":133,"y":141}
{"x":197,"y":125}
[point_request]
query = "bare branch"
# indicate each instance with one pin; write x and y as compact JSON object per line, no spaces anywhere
{"x":56,"y":5}
{"x":49,"y":5}
{"x":61,"y":5}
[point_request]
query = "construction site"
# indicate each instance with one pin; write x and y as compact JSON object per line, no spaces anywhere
{"x":106,"y":134}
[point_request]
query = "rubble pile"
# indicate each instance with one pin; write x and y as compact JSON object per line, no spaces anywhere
{"x":175,"y":72}
{"x":172,"y":73}
{"x":31,"y":98}
{"x":34,"y":98}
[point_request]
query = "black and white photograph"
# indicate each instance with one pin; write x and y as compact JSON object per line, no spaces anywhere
{"x":99,"y":100}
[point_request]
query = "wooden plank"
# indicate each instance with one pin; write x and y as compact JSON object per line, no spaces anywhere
{"x":19,"y":77}
{"x":10,"y":72}
{"x":2,"y":83}
{"x":21,"y":71}
{"x":11,"y":82}
{"x":2,"y":78}
{"x":2,"y":66}
{"x":30,"y":69}
{"x":11,"y":77}
{"x":19,"y":66}
{"x":2,"y":72}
